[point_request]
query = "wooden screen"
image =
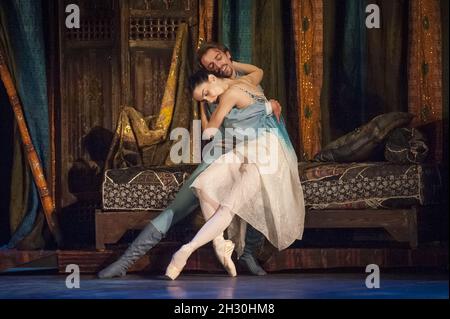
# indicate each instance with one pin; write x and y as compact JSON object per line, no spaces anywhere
{"x":119,"y":56}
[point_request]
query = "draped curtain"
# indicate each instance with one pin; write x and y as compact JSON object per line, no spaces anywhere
{"x":365,"y":70}
{"x":206,"y":16}
{"x":259,"y":32}
{"x":274,"y":52}
{"x":235,"y":28}
{"x":307,"y":23}
{"x":268,"y":47}
{"x":23,"y":44}
{"x":397,"y":67}
{"x":425,"y":67}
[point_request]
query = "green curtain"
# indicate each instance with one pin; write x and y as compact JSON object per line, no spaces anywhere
{"x":387,"y":53}
{"x":291,"y":108}
{"x":23,"y":44}
{"x":268,"y":50}
{"x":329,"y":34}
{"x":347,"y":91}
{"x":364,"y":69}
{"x":273,"y":51}
{"x":235,"y":28}
{"x":259,"y":32}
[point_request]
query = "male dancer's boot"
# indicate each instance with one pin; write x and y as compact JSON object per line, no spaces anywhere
{"x":185,"y":203}
{"x":148,"y":238}
{"x":253,"y":241}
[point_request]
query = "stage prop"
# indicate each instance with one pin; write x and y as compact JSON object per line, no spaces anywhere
{"x":33,"y":159}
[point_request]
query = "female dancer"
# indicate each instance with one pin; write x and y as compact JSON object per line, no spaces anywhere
{"x":265,"y":194}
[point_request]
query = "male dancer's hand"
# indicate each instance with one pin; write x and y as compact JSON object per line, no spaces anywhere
{"x":276,"y":108}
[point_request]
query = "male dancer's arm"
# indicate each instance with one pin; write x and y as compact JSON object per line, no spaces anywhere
{"x":253,"y":74}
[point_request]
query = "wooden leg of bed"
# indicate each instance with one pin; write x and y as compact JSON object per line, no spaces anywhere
{"x":401,"y":224}
{"x":407,"y":231}
{"x":99,"y":231}
{"x":111,"y":226}
{"x":108,"y":229}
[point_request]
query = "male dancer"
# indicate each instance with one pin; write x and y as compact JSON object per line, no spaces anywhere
{"x":216,"y":58}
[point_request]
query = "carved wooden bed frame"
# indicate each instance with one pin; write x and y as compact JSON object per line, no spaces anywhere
{"x":401,"y":224}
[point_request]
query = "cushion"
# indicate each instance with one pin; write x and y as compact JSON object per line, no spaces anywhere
{"x":325,"y":186}
{"x":360,"y":144}
{"x":406,"y":145}
{"x":378,"y":185}
{"x":136,"y":188}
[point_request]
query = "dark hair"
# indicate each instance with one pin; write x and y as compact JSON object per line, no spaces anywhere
{"x":199,"y":77}
{"x":207,"y":46}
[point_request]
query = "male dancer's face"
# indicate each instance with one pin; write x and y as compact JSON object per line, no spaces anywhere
{"x":218,"y":62}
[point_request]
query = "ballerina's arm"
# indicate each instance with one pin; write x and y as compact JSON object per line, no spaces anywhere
{"x":227,"y":101}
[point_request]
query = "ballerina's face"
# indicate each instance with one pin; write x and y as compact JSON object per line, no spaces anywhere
{"x":208,"y":91}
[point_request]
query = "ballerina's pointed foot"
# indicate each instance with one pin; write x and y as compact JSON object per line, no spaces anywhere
{"x":172,"y":272}
{"x":224,"y":250}
{"x":178,"y":262}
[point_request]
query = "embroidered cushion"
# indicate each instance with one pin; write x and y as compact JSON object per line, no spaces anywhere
{"x":360,"y":144}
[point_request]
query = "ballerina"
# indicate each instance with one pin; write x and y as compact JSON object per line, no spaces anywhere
{"x":266,"y":195}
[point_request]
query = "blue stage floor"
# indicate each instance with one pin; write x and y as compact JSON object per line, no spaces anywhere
{"x":207,"y":286}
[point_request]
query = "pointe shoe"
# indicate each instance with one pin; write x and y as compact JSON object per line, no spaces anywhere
{"x":178,"y":262}
{"x":172,"y":272}
{"x":224,"y":250}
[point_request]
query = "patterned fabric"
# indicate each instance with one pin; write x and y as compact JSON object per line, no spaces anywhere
{"x":138,"y":189}
{"x":406,"y":145}
{"x":363,"y":143}
{"x":307,"y":23}
{"x":325,"y":186}
{"x":425,"y":65}
{"x":369,"y":185}
{"x":206,"y":10}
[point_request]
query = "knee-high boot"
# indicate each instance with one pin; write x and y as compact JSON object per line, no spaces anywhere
{"x":148,"y":238}
{"x":253,"y":241}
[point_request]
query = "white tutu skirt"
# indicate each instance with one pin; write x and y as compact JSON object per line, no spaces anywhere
{"x":259,"y":182}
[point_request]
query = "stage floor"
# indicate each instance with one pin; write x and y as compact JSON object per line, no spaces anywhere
{"x":206,"y":286}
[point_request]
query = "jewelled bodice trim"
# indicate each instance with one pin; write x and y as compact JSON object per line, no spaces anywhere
{"x":255,"y":97}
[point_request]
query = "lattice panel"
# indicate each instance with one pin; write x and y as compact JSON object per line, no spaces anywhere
{"x":173,"y":5}
{"x":95,"y":29}
{"x":146,"y":28}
